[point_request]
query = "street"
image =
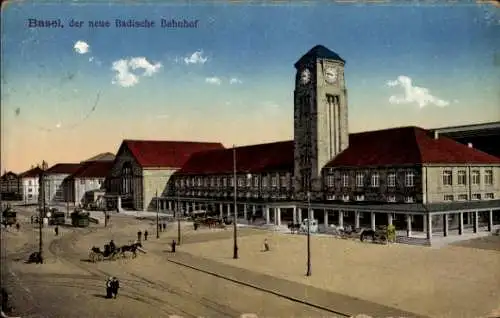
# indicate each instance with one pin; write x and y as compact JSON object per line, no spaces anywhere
{"x":68,"y":285}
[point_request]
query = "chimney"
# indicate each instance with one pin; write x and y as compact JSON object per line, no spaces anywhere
{"x":436,"y":134}
{"x":469,"y":145}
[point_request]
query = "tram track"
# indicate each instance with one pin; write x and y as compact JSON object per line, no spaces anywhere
{"x":63,"y":249}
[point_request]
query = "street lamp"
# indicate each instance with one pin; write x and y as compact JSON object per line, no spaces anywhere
{"x":157,"y":216}
{"x":235,"y":216}
{"x":308,"y":273}
{"x":178,"y":219}
{"x":41,"y":216}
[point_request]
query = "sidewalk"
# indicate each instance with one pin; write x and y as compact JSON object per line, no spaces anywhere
{"x":336,"y":303}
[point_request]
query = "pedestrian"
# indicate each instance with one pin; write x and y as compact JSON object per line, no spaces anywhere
{"x":56,"y":230}
{"x":115,"y":285}
{"x":18,"y":226}
{"x":139,"y":236}
{"x":146,"y":235}
{"x":173,"y":246}
{"x":266,"y":246}
{"x":109,"y":288}
{"x":164,"y":226}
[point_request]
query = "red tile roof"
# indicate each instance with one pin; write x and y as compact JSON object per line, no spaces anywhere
{"x":276,"y":156}
{"x":93,"y":169}
{"x":406,"y":145}
{"x":32,"y":173}
{"x":63,"y":168}
{"x":174,"y":154}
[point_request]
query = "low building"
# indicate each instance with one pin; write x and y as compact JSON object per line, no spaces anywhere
{"x":54,"y":185}
{"x":88,"y":178}
{"x":30,"y":184}
{"x":143,"y":168}
{"x":10,"y":186}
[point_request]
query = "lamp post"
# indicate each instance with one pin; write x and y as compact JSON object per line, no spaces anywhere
{"x":40,"y":219}
{"x":178,"y":220}
{"x":157,"y":216}
{"x":308,"y":273}
{"x":235,"y":227}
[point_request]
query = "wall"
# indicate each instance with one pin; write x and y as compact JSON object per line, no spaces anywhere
{"x":114,"y":181}
{"x":435,"y":190}
{"x":154,"y":180}
{"x":83,"y":185}
{"x":54,"y":189}
{"x":28,"y":189}
{"x":374,"y":194}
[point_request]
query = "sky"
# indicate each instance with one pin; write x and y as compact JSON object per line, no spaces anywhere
{"x":69,"y":93}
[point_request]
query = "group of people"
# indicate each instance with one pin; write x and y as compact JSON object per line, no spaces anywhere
{"x":112,"y":286}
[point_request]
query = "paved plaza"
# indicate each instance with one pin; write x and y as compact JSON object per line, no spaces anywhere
{"x":442,"y":282}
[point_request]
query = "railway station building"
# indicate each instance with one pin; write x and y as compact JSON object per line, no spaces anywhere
{"x":420,"y":180}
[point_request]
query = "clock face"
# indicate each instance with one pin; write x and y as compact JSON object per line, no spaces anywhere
{"x":331,"y":75}
{"x":305,"y":76}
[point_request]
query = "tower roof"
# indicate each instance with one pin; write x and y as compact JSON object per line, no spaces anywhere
{"x":318,"y":52}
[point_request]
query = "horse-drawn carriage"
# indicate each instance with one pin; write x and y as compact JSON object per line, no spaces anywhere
{"x":110,"y":252}
{"x":9,"y":216}
{"x":379,"y":235}
{"x":210,"y":222}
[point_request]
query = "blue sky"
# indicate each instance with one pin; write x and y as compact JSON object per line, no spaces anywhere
{"x":447,"y":50}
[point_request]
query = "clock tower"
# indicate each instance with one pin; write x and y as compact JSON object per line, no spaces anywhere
{"x":320,"y":117}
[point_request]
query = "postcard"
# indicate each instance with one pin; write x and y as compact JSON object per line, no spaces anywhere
{"x":250,"y":159}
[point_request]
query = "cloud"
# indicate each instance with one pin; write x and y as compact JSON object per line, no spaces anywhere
{"x":196,"y":58}
{"x":414,"y":94}
{"x":81,"y":47}
{"x":213,"y":80}
{"x":124,"y":75}
{"x":91,"y":59}
{"x":235,"y":80}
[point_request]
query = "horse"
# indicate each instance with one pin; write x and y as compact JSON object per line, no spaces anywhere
{"x":130,"y":248}
{"x":294,"y":227}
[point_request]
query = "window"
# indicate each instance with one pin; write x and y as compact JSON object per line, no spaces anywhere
{"x":82,"y":181}
{"x":488,"y":177}
{"x":391,"y":180}
{"x":264,"y":181}
{"x":182,"y":182}
{"x":199,"y":182}
{"x":489,"y":196}
{"x":330,"y":180}
{"x":391,"y":198}
{"x":207,"y":181}
{"x":330,"y":197}
{"x":345,"y":180}
{"x":448,"y":197}
{"x":274,"y":181}
{"x":256,"y":182}
{"x":375,"y":180}
{"x":410,"y":179}
{"x":30,"y":183}
{"x":476,"y":177}
{"x":283,"y":182}
{"x":463,"y":197}
{"x":224,"y":182}
{"x":212,"y":182}
{"x":241,"y":182}
{"x":30,"y":190}
{"x":447,"y":177}
{"x":231,"y":181}
{"x":359,"y":179}
{"x":345,"y":197}
{"x":30,"y":196}
{"x":476,"y":196}
{"x":360,"y":197}
{"x":249,"y":181}
{"x":462,"y":177}
{"x":409,"y":199}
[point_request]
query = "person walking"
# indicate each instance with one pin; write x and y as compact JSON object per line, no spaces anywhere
{"x":266,"y":245}
{"x":18,"y":226}
{"x":56,"y":230}
{"x":174,"y":243}
{"x":145,"y":235}
{"x":139,"y":236}
{"x":109,"y":288}
{"x":115,"y":285}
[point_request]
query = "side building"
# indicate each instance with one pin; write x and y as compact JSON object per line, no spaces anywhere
{"x":143,"y":168}
{"x":30,"y":185}
{"x":86,"y":185}
{"x":10,"y":186}
{"x":54,"y":185}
